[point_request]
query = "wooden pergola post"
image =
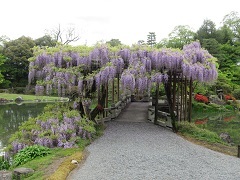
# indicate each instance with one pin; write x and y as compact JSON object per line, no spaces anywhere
{"x":185,"y":99}
{"x":156,"y":104}
{"x":118,"y":86}
{"x":106,"y":103}
{"x":113,"y":91}
{"x":190,"y":101}
{"x":181,"y":103}
{"x":178,"y":89}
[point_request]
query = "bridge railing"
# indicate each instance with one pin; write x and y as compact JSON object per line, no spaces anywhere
{"x":115,"y":109}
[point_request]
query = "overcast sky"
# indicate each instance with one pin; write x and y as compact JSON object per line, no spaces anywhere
{"x":95,"y":20}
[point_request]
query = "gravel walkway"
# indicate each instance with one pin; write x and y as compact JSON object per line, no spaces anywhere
{"x":141,"y":150}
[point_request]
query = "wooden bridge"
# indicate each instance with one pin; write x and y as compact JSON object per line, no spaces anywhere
{"x":136,"y":112}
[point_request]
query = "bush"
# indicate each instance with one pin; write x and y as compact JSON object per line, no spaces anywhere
{"x":29,"y":153}
{"x":4,"y":165}
{"x":201,"y":98}
{"x":236,"y":93}
{"x":56,"y":127}
{"x":229,"y":97}
{"x":19,"y":90}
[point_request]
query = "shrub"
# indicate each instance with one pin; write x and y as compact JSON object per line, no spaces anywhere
{"x":29,"y":153}
{"x":4,"y":165}
{"x":236,"y":93}
{"x":201,"y":98}
{"x":56,"y":127}
{"x":19,"y":90}
{"x":229,"y":97}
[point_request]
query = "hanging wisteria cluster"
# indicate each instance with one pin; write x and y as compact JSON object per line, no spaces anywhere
{"x":138,"y":68}
{"x":64,"y":70}
{"x":58,"y":130}
{"x":199,"y":63}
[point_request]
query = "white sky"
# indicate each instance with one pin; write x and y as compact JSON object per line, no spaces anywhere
{"x":95,"y":20}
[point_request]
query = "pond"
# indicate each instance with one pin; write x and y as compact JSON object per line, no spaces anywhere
{"x":12,"y":115}
{"x":221,"y":122}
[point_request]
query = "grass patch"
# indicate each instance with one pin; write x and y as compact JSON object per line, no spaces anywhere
{"x":206,"y":108}
{"x":190,"y":129}
{"x":41,"y":164}
{"x":63,"y":170}
{"x":30,"y":97}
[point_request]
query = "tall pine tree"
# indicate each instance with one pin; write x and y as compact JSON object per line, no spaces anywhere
{"x":151,"y":39}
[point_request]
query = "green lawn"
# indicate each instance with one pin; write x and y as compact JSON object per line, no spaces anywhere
{"x":29,"y":97}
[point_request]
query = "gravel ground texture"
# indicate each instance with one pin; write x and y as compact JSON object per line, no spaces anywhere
{"x":141,"y":150}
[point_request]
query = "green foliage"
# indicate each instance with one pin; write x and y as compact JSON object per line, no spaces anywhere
{"x":180,"y":36}
{"x":206,"y":108}
{"x":29,"y":153}
{"x":225,"y":35}
{"x":4,"y":165}
{"x":17,"y":53}
{"x":45,"y":41}
{"x":236,"y":93}
{"x":2,"y":60}
{"x":192,"y":130}
{"x":207,"y":31}
{"x":223,"y":82}
{"x":212,"y":46}
{"x":232,"y":21}
{"x":114,"y":42}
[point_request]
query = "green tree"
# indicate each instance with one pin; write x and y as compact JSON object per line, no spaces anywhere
{"x":206,"y":31}
{"x":17,"y":53}
{"x":228,"y":62}
{"x":180,"y":36}
{"x":232,"y":21}
{"x":3,"y":39}
{"x":151,"y":39}
{"x":2,"y":60}
{"x":45,"y":41}
{"x":114,"y":42}
{"x":225,"y":35}
{"x":213,"y":47}
{"x":163,"y":43}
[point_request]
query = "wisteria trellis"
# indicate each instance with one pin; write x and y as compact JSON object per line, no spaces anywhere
{"x":139,"y":68}
{"x":64,"y":69}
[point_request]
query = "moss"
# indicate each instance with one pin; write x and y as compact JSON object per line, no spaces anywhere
{"x":66,"y":167}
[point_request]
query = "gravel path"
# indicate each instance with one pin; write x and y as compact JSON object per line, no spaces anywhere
{"x":141,"y":150}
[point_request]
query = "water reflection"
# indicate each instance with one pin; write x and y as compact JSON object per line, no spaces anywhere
{"x":221,"y":122}
{"x":12,"y":115}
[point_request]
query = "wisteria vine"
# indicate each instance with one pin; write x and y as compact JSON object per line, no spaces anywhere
{"x":138,"y":68}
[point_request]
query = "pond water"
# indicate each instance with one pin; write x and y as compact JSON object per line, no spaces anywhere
{"x":220,"y":123}
{"x":12,"y":115}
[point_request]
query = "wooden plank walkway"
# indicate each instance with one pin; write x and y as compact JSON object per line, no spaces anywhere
{"x":134,"y":112}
